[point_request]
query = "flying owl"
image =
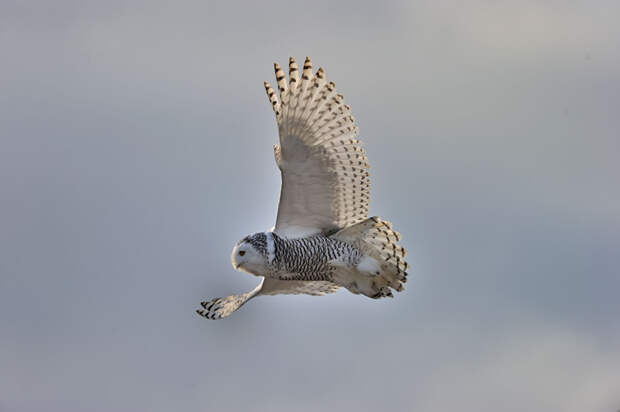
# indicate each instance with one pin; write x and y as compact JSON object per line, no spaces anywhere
{"x":323,"y":238}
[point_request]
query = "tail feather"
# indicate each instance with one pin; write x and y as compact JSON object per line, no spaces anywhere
{"x":377,"y":240}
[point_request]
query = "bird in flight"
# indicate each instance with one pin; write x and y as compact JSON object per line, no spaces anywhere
{"x":323,"y":238}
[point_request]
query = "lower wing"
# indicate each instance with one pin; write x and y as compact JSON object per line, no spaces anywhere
{"x":222,"y":307}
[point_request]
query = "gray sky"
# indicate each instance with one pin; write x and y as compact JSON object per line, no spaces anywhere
{"x":136,"y":149}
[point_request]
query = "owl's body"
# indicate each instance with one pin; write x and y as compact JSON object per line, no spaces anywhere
{"x":310,"y":258}
{"x":323,"y":238}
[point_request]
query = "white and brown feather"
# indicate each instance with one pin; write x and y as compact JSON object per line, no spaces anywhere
{"x":325,"y":179}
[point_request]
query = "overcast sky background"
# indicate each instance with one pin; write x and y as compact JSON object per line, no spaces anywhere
{"x":136,"y":149}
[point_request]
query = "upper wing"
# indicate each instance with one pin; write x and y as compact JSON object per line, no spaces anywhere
{"x":325,"y":180}
{"x":222,"y":307}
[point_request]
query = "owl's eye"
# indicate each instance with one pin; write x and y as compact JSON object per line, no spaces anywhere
{"x":241,"y":252}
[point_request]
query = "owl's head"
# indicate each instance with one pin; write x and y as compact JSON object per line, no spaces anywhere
{"x":251,"y":254}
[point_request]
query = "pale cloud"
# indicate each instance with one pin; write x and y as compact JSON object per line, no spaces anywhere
{"x":136,"y":148}
{"x":547,"y":369}
{"x":547,"y":30}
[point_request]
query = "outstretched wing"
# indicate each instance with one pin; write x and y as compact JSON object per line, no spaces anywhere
{"x":222,"y":307}
{"x":325,"y":180}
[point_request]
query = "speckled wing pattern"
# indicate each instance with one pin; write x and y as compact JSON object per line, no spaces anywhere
{"x":325,"y":179}
{"x":222,"y":307}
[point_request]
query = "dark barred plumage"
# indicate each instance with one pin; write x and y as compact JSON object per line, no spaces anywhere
{"x":309,"y":258}
{"x":258,"y":240}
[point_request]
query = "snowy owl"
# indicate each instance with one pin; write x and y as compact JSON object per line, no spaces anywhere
{"x":323,"y":238}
